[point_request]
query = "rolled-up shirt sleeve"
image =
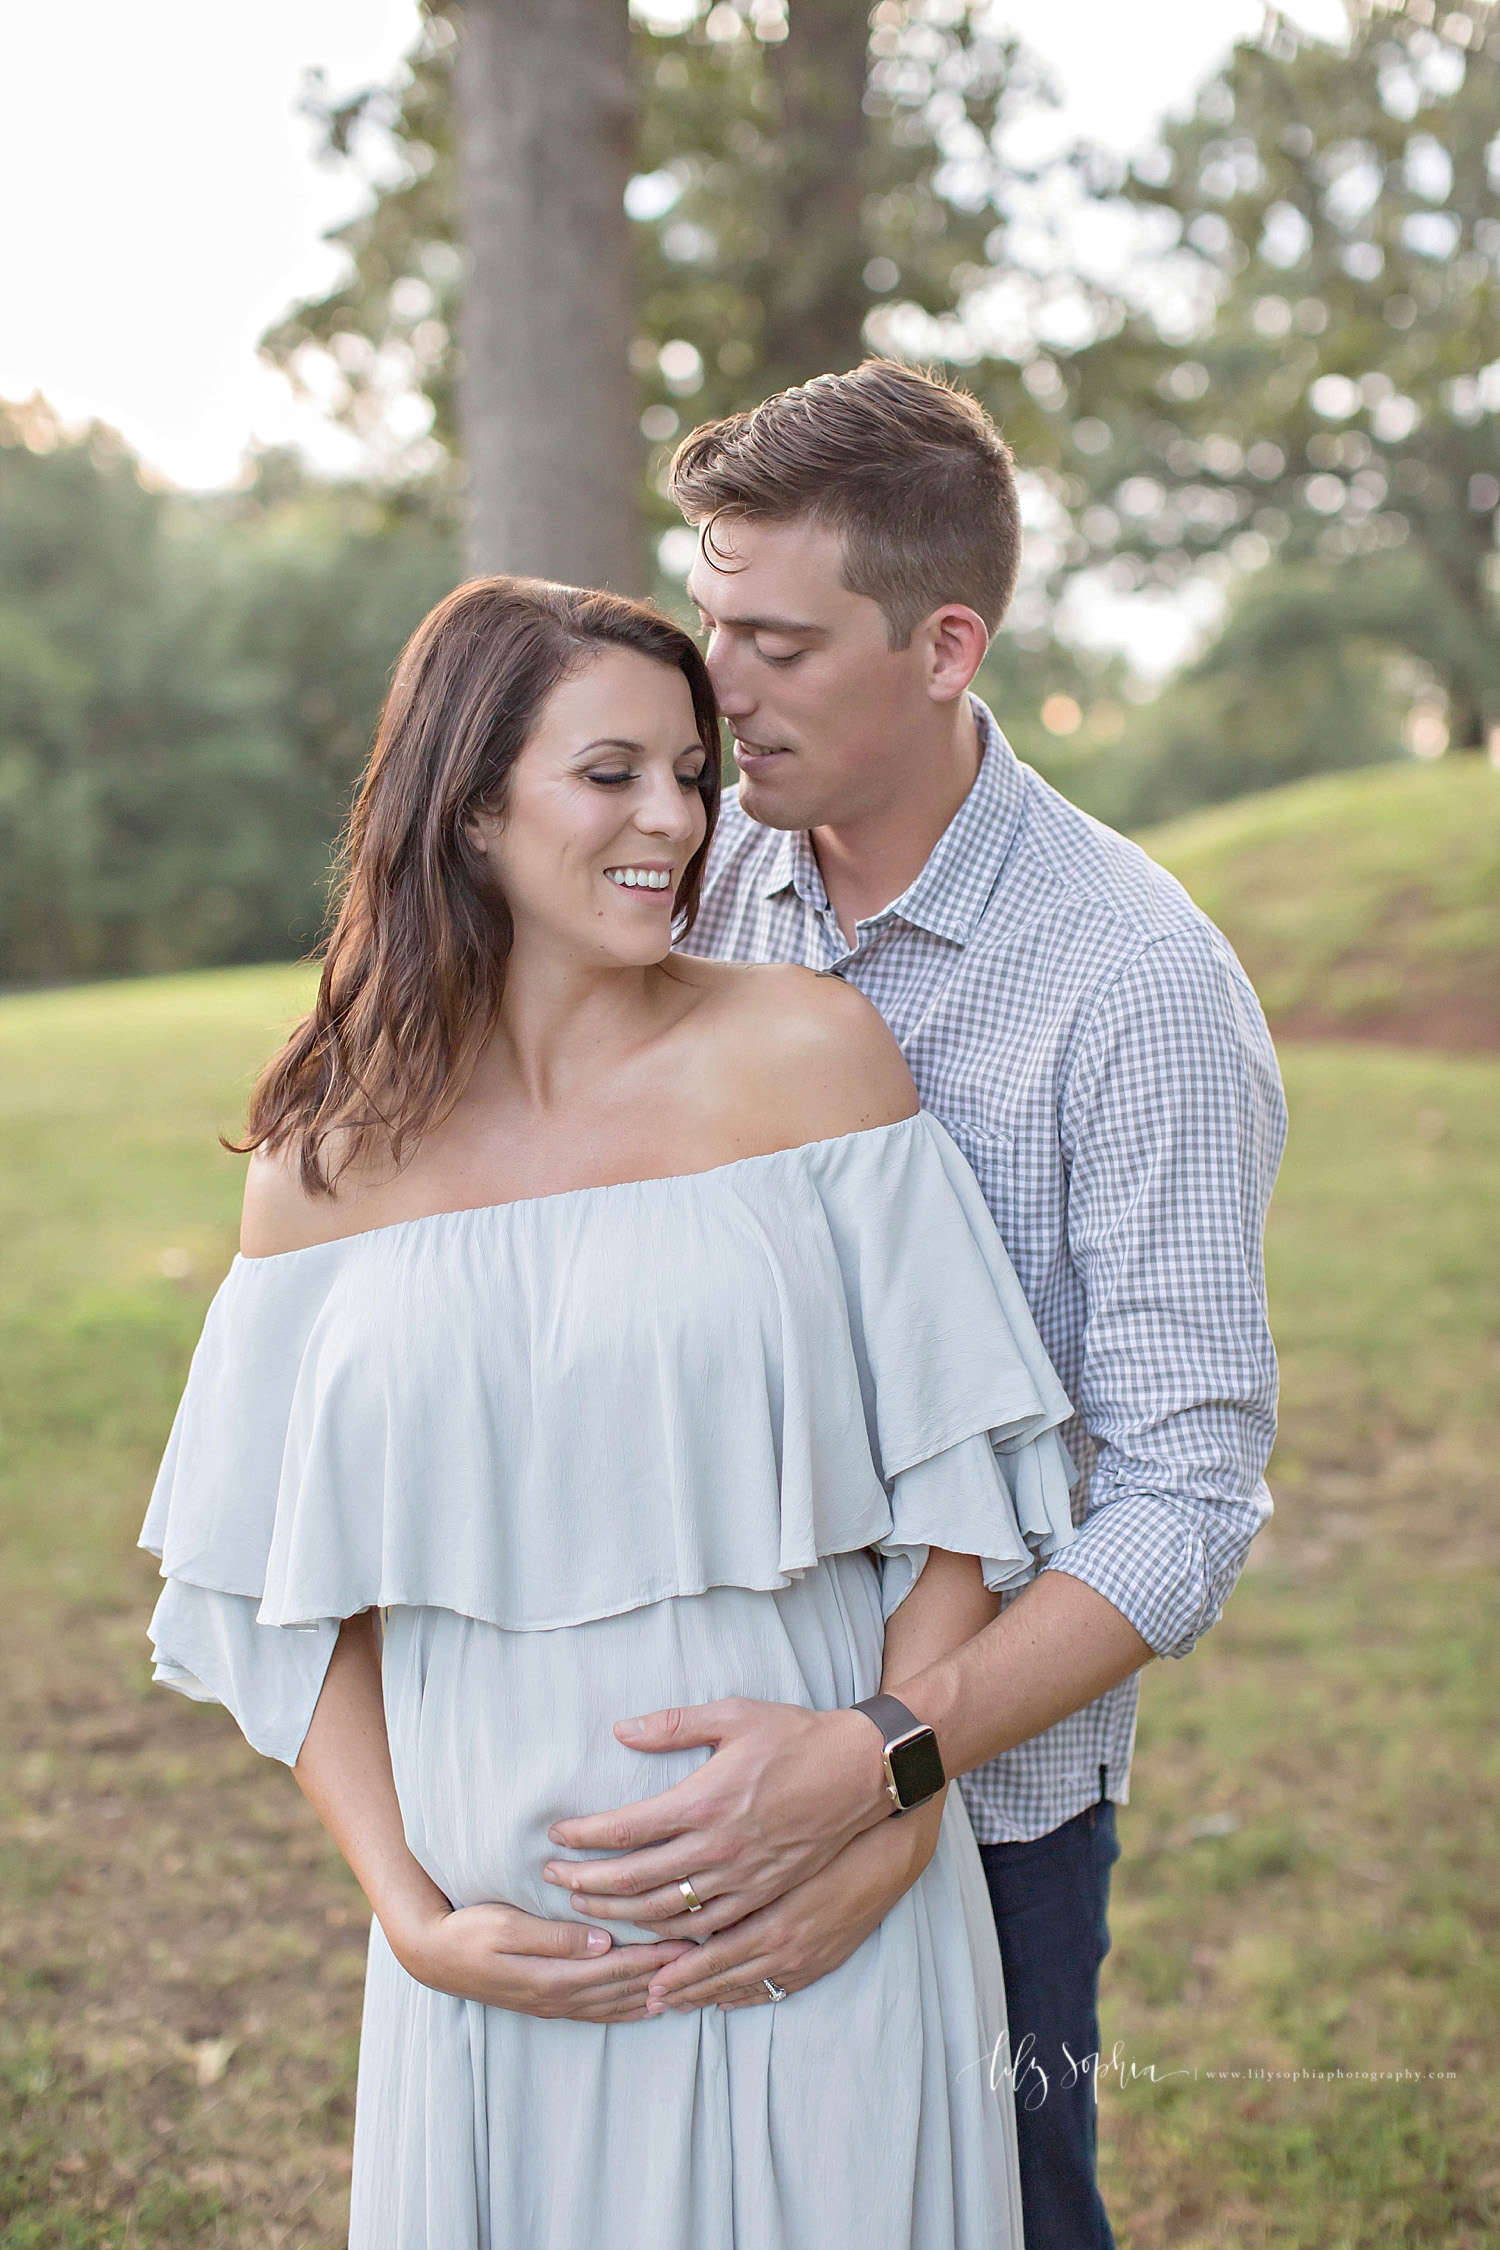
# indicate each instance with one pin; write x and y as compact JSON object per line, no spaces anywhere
{"x":1173,"y":1123}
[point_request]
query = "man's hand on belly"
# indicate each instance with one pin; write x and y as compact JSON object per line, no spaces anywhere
{"x":785,"y":1791}
{"x":812,"y":1929}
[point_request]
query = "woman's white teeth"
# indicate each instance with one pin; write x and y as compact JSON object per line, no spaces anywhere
{"x":639,"y":878}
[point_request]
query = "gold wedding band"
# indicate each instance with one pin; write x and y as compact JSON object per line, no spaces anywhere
{"x":776,"y":1991}
{"x":694,"y":1902}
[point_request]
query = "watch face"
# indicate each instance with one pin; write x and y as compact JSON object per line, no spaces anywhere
{"x":917,"y":1768}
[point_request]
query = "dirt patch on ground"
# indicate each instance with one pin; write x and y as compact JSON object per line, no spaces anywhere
{"x":1454,"y":1023}
{"x":182,"y":1954}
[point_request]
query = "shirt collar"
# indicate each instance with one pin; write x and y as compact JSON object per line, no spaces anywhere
{"x":794,"y":866}
{"x":954,"y":887}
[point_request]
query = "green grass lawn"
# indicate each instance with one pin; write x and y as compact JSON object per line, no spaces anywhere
{"x":1308,"y":1874}
{"x":1361,"y":903}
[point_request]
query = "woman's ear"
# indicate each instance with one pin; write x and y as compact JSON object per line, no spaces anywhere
{"x":478,"y":827}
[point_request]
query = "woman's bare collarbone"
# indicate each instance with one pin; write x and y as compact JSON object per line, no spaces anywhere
{"x":742,"y":1070}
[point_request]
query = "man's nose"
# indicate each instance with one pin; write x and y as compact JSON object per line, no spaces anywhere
{"x":726,"y":671}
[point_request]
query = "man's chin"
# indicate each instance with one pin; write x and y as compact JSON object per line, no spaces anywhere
{"x":764,"y":795}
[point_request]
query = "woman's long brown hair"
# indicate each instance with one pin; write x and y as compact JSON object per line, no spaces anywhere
{"x":415,"y":966}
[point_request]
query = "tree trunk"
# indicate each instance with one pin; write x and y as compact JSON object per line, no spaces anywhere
{"x":816,"y":314}
{"x":547,"y":400}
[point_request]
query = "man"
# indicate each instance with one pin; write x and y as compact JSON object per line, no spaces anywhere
{"x":1094,"y":1048}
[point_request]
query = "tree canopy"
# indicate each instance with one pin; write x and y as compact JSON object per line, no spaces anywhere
{"x":1338,"y":215}
{"x":1286,"y":388}
{"x":189,"y":689}
{"x":1299,"y":359}
{"x":796,"y":173}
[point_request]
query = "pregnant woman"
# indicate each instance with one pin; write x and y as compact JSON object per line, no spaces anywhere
{"x":611,"y":1332}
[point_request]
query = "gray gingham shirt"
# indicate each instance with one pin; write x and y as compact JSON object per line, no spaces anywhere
{"x":1095,"y":1049}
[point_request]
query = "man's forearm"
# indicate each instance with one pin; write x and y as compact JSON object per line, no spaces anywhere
{"x":1054,"y":1649}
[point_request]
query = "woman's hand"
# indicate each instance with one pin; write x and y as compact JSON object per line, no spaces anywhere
{"x":508,"y":1959}
{"x":495,"y":1954}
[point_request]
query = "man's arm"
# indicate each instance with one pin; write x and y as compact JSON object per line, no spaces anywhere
{"x":769,"y":1753}
{"x":819,"y":1922}
{"x":1057,"y":1646}
{"x":1172,"y":1121}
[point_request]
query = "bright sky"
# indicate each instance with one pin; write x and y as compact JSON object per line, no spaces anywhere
{"x":166,"y":204}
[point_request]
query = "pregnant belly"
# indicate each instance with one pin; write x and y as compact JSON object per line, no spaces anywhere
{"x":494,"y":1734}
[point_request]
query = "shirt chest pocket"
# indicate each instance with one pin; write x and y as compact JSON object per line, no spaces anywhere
{"x":990,"y":1148}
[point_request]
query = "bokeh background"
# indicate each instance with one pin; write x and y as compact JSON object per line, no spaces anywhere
{"x":1230,"y":280}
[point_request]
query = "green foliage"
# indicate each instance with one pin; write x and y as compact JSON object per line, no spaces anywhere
{"x":1316,"y":369}
{"x":1302,"y":362}
{"x":815,"y":180}
{"x":189,"y":689}
{"x":379,"y":347}
{"x":134,"y":771}
{"x":789,"y":183}
{"x":1304,"y":678}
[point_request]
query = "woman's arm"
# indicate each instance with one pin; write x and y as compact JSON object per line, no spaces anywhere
{"x":947,"y":1606}
{"x":496,"y":1954}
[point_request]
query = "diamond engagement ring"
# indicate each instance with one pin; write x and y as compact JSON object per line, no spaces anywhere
{"x":775,"y":1990}
{"x":694,"y":1902}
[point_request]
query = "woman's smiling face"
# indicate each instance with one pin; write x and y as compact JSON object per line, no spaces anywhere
{"x":602,"y":814}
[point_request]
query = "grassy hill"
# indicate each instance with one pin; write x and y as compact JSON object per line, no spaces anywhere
{"x":1308,"y":1880}
{"x":1364,"y":905}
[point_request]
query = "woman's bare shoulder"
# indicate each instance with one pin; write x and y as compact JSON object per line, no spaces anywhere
{"x":811,"y":1058}
{"x":281,"y":1212}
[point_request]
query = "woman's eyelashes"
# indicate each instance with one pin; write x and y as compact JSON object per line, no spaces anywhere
{"x":616,"y":780}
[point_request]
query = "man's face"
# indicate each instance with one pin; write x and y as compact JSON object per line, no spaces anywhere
{"x":821,"y":706}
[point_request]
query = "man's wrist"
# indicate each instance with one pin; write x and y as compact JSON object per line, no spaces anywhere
{"x":866,"y":1770}
{"x":911,"y":1762}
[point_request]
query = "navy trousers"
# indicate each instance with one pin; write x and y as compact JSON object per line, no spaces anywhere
{"x":1051,"y":1902}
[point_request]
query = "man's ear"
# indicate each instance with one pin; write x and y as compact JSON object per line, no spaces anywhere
{"x":956,"y":639}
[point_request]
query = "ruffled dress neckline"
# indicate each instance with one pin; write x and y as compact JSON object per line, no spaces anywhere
{"x":566,"y":1195}
{"x":566,"y":1407}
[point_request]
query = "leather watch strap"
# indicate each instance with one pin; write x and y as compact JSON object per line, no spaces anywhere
{"x":891,"y":1716}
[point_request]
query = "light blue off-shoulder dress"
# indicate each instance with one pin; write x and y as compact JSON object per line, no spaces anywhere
{"x":593,"y":1454}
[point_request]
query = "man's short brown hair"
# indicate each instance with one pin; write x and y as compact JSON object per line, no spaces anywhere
{"x":912,"y":474}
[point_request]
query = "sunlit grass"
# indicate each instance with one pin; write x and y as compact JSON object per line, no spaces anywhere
{"x":1307,"y":1880}
{"x":1308,"y":1872}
